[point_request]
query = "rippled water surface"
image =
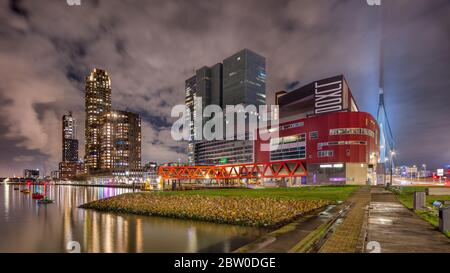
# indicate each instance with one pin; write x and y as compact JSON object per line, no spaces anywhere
{"x":26,"y":226}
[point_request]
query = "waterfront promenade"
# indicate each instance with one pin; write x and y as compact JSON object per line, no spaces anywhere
{"x":398,"y":229}
{"x":386,"y":226}
{"x":371,"y":220}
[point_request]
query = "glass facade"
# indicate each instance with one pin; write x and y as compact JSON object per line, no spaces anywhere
{"x":120,"y":141}
{"x":223,"y":152}
{"x":287,"y":148}
{"x":244,"y":79}
{"x":191,"y":91}
{"x":336,"y":143}
{"x":240,"y":80}
{"x":352,"y":131}
{"x":322,"y":154}
{"x":69,"y":141}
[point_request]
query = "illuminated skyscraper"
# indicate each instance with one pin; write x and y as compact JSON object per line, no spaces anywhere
{"x":69,"y":167}
{"x":97,"y":103}
{"x":207,"y":84}
{"x":239,"y":80}
{"x":120,"y":141}
{"x":191,"y":91}
{"x":69,"y":140}
{"x":244,"y":79}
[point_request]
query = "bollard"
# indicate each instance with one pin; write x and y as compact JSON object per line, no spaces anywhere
{"x":444,"y":219}
{"x":419,"y":200}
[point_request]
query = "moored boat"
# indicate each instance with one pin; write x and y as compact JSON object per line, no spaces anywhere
{"x":37,"y":196}
{"x":45,"y":201}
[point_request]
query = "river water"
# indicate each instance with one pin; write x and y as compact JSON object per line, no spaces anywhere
{"x":26,"y":226}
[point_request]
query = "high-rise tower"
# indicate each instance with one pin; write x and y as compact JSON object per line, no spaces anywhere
{"x":70,"y":166}
{"x":97,"y":103}
{"x":244,"y":79}
{"x":239,"y":80}
{"x":69,"y":140}
{"x":120,"y":140}
{"x":191,"y":91}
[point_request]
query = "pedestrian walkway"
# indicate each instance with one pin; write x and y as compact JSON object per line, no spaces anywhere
{"x":369,"y":217}
{"x":284,"y":239}
{"x":348,"y":237}
{"x":397,"y":229}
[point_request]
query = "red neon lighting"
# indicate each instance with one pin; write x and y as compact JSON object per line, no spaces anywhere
{"x":292,"y":168}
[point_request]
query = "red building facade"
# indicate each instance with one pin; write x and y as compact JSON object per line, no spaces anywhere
{"x":321,"y":124}
{"x":340,"y":147}
{"x":346,"y":137}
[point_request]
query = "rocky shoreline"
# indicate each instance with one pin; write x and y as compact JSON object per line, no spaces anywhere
{"x":245,"y":211}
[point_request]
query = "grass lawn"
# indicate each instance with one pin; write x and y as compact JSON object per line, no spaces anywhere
{"x":329,"y":193}
{"x":406,"y":197}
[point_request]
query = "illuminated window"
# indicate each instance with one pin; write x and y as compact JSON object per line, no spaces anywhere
{"x":352,"y":131}
{"x":314,"y":135}
{"x":322,"y":154}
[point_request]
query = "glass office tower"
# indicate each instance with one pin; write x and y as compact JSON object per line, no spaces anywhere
{"x":244,"y":79}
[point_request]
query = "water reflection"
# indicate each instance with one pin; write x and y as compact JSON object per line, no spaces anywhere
{"x":26,"y":226}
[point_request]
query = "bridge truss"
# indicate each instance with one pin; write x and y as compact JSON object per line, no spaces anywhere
{"x":283,"y":169}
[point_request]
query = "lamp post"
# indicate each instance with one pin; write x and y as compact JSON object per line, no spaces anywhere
{"x":385,"y":165}
{"x":392,"y":164}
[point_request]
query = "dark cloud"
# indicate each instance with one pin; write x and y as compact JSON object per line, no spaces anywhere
{"x":150,"y":48}
{"x":16,"y":7}
{"x":291,"y":86}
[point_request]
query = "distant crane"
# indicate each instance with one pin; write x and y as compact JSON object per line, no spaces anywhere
{"x":387,"y":143}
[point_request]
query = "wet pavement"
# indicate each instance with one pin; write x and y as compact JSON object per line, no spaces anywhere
{"x":348,"y":237}
{"x":373,"y":221}
{"x":395,"y":229}
{"x":284,"y":239}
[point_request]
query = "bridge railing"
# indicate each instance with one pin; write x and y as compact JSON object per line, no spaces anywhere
{"x":280,"y":169}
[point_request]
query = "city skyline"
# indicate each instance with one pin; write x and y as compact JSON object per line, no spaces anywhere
{"x":44,"y":66}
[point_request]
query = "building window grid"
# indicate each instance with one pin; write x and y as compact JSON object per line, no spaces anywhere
{"x":352,"y":131}
{"x":314,"y":135}
{"x":293,"y":125}
{"x":327,"y":153}
{"x":296,"y":152}
{"x":337,"y":143}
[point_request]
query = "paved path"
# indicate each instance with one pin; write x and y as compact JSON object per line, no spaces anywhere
{"x":398,"y":229}
{"x":348,"y":237}
{"x":374,"y":215}
{"x":284,"y":239}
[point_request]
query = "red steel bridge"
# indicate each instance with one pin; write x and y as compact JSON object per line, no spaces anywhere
{"x":282,"y":169}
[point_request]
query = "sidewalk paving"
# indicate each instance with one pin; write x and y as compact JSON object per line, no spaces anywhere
{"x":284,"y":239}
{"x":348,"y":236}
{"x":373,"y":215}
{"x":399,"y":230}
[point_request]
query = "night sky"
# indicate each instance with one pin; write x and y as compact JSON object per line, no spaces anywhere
{"x":149,"y":48}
